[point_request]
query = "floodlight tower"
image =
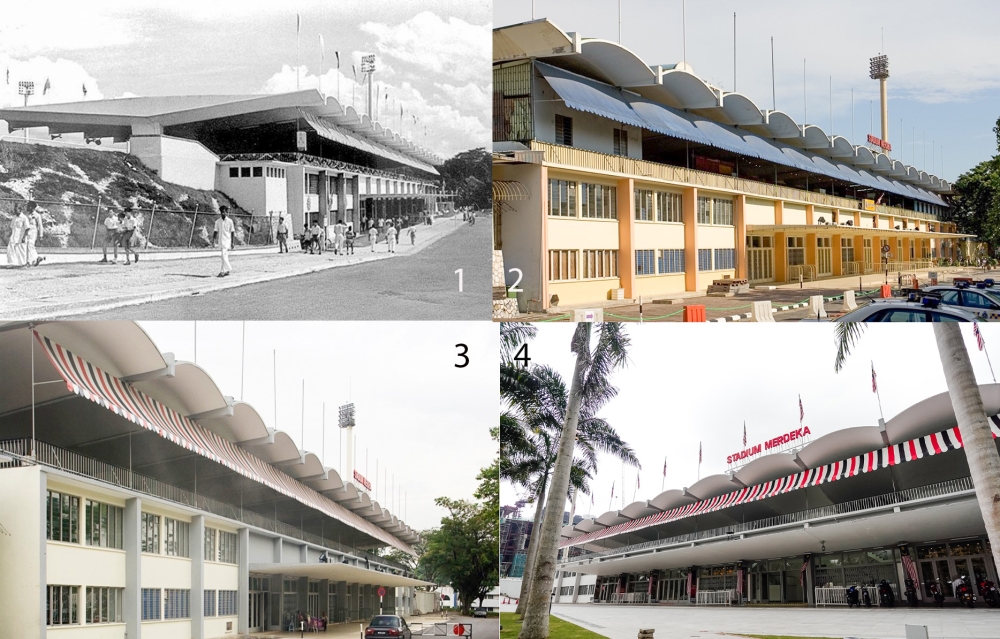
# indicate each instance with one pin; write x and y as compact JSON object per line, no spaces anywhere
{"x":368,"y":68}
{"x":880,"y":71}
{"x":346,"y":421}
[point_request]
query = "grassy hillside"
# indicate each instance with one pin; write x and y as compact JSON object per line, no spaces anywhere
{"x":68,"y":184}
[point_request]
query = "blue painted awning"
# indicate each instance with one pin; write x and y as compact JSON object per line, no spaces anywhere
{"x":584,"y":94}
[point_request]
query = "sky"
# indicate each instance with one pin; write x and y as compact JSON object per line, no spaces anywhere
{"x":421,"y":420}
{"x":697,"y":383}
{"x":432,"y":56}
{"x":944,"y":79}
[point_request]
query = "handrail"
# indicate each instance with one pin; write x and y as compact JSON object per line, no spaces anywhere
{"x":71,"y":462}
{"x":939,"y":489}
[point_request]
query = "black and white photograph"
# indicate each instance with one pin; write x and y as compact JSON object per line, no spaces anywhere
{"x":245,"y":160}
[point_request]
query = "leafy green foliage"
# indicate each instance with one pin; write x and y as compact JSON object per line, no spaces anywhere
{"x":976,"y":205}
{"x":470,"y":174}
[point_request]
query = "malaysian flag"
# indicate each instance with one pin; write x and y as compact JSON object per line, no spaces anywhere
{"x":802,"y":573}
{"x":909,"y":567}
{"x":744,"y":433}
{"x":739,"y":582}
{"x":874,"y":382}
{"x":979,"y":336}
{"x":637,"y":481}
{"x":664,"y":466}
{"x":802,"y":412}
{"x":699,"y":452}
{"x":612,"y":490}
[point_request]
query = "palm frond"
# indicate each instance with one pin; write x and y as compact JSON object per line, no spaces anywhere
{"x":512,"y":335}
{"x":847,"y":335}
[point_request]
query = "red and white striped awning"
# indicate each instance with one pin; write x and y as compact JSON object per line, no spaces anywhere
{"x":932,"y":444}
{"x":121,"y":398}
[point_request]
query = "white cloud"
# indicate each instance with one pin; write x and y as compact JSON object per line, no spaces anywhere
{"x":66,"y":81}
{"x":454,"y":48}
{"x":26,"y":30}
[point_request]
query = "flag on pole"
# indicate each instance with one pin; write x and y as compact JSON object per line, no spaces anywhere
{"x":355,"y":70}
{"x":699,"y":452}
{"x":8,"y":75}
{"x":664,"y":466}
{"x":298,"y":24}
{"x":84,"y":90}
{"x":802,"y":412}
{"x":337,"y":53}
{"x":874,"y":381}
{"x":612,"y":490}
{"x":637,"y":480}
{"x":322,"y":50}
{"x":47,"y":86}
{"x":802,"y":573}
{"x":400,"y":110}
{"x":979,"y":336}
{"x":744,"y":433}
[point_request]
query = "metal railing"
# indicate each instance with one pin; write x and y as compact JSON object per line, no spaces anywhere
{"x":628,"y":598}
{"x":19,"y":451}
{"x":715,"y":597}
{"x":838,"y":596}
{"x":326,"y":163}
{"x":806,"y":271}
{"x":572,"y":156}
{"x":950,"y":487}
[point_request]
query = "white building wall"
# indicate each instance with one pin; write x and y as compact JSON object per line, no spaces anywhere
{"x":759,"y":211}
{"x":21,"y":552}
{"x":176,"y":160}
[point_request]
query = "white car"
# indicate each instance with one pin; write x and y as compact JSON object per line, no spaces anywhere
{"x":984,"y":302}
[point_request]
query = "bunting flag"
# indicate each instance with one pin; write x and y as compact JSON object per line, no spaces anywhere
{"x":739,"y":582}
{"x":928,"y":445}
{"x":908,"y":565}
{"x":123,"y":399}
{"x":802,"y":573}
{"x":874,"y":381}
{"x":979,"y":336}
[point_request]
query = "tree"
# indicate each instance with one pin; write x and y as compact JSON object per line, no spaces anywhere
{"x":470,"y":175}
{"x":976,"y":204}
{"x":973,"y":425}
{"x":591,"y":377}
{"x":463,"y":551}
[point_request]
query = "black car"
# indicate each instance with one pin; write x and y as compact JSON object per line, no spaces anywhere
{"x":388,"y":626}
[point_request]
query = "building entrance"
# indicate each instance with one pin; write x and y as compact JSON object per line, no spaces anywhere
{"x":258,"y":611}
{"x":944,"y":563}
{"x":673,"y":589}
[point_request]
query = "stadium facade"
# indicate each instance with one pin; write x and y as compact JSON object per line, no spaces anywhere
{"x":616,"y":179}
{"x":295,"y":154}
{"x":852,"y":507}
{"x":136,"y":500}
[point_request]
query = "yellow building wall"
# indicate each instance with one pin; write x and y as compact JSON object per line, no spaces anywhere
{"x":583,"y":292}
{"x":716,"y":237}
{"x":658,"y":235}
{"x":521,"y":231}
{"x":159,"y":571}
{"x":759,"y":211}
{"x":20,"y":552}
{"x":653,"y":285}
{"x":581,"y":234}
{"x":825,"y":213}
{"x":794,"y":214}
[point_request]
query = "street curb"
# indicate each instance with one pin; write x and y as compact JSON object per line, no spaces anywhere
{"x":147,"y":298}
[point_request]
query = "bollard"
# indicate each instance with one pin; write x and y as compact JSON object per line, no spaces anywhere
{"x":849,"y":303}
{"x":885,"y":291}
{"x":694,"y":313}
{"x":816,"y":306}
{"x":762,"y":312}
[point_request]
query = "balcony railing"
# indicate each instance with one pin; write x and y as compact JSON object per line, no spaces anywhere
{"x":306,"y":159}
{"x":584,"y":158}
{"x":19,"y":452}
{"x":951,"y":487}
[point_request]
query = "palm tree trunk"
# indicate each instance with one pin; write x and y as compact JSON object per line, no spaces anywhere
{"x":529,"y":560}
{"x":536,"y":616}
{"x":977,"y":440}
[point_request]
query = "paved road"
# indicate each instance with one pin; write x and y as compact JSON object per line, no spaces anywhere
{"x":488,"y":628}
{"x":419,"y":287}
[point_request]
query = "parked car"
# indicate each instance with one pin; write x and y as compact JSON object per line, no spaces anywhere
{"x":982,"y":300}
{"x":388,"y":626}
{"x":916,"y":308}
{"x":479,"y":612}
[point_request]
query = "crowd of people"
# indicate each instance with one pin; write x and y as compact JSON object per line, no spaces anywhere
{"x":314,"y":239}
{"x":25,"y":231}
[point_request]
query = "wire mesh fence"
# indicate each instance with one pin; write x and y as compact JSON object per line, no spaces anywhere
{"x":82,"y":226}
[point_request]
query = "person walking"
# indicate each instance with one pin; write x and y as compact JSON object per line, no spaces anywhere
{"x":17,"y":245}
{"x":34,"y":234}
{"x":349,"y":239}
{"x":339,"y":231}
{"x":373,"y":237}
{"x":127,"y":226}
{"x":111,"y":236}
{"x":282,"y":235}
{"x":413,"y":235}
{"x":306,"y":240}
{"x":390,"y":238}
{"x":224,"y":233}
{"x":318,"y":236}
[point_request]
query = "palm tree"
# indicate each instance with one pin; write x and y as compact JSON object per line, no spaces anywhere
{"x":973,"y":424}
{"x":591,"y":378}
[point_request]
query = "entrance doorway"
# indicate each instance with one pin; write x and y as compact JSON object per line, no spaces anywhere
{"x":760,"y":258}
{"x":672,"y":589}
{"x":946,"y":562}
{"x":258,"y":611}
{"x":824,"y":256}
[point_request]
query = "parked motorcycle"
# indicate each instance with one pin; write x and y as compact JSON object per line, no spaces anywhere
{"x":911,"y":594}
{"x":936,"y":594}
{"x":886,"y":597}
{"x":963,"y":593}
{"x":866,"y":598}
{"x":852,"y":597}
{"x":988,"y":591}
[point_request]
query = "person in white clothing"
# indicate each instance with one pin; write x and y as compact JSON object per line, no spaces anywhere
{"x":17,"y":246}
{"x":372,"y":236}
{"x":34,"y":234}
{"x":111,"y":237}
{"x":224,"y":234}
{"x":390,"y":237}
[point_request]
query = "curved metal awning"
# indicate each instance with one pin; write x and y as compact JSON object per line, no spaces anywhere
{"x":508,"y":190}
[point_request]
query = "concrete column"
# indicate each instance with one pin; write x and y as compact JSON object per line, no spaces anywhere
{"x":810,"y":593}
{"x":341,"y":601}
{"x":626,"y":236}
{"x":740,"y":240}
{"x":303,"y":598}
{"x":810,"y":214}
{"x":558,"y":586}
{"x":811,"y":250}
{"x":779,"y":211}
{"x":303,"y":554}
{"x":43,"y":554}
{"x":324,"y":596}
{"x":780,"y":256}
{"x":838,"y":260}
{"x":197,"y":545}
{"x":857,"y":219}
{"x":356,"y":203}
{"x":132,"y":542}
{"x":689,"y":204}
{"x":543,"y":253}
{"x":576,"y":587}
{"x":324,"y":199}
{"x":277,"y":550}
{"x":243,"y":589}
{"x":342,"y":198}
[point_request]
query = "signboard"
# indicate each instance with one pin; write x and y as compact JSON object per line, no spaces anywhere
{"x":368,"y":63}
{"x":358,"y":477}
{"x":869,"y":204}
{"x":301,"y":141}
{"x":772,"y":444}
{"x":346,"y":415}
{"x":461,"y":630}
{"x":885,"y":248}
{"x":878,"y":142}
{"x":381,"y":591}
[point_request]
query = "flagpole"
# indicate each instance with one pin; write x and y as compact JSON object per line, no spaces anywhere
{"x":877,"y":394}
{"x":662,"y":481}
{"x":298,"y":27}
{"x":982,"y":346}
{"x":990,"y":363}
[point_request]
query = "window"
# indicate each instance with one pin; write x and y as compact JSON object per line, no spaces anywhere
{"x":103,"y":524}
{"x":668,"y":207}
{"x":562,"y":198}
{"x":722,"y":212}
{"x":562,"y":265}
{"x":150,"y":604}
{"x":704,"y":210}
{"x":586,"y":590}
{"x":621,"y":142}
{"x":846,"y":249}
{"x":598,"y":201}
{"x":725,"y":259}
{"x":227,"y":547}
{"x":209,"y":544}
{"x":704,"y":259}
{"x":234,"y":171}
{"x":209,"y":605}
{"x":62,"y":517}
{"x":104,"y":605}
{"x":644,"y":205}
{"x":671,"y":261}
{"x":796,"y":251}
{"x":227,"y":603}
{"x":564,"y":130}
{"x":176,"y":539}
{"x":644,"y":264}
{"x":177,"y":604}
{"x":61,"y":605}
{"x":150,"y":532}
{"x":312,"y":184}
{"x":597,"y":264}
{"x":244,"y":171}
